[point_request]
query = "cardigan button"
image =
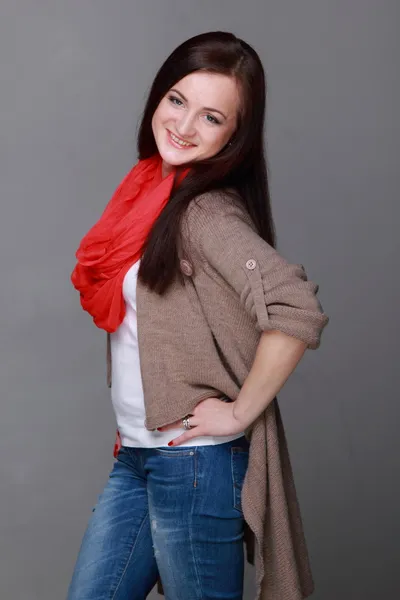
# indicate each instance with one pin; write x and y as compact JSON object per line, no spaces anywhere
{"x":186,"y":267}
{"x":251,"y":264}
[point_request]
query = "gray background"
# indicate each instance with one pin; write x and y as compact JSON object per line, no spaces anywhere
{"x":74,"y":75}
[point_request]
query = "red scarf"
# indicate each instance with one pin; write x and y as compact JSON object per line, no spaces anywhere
{"x":114,"y":243}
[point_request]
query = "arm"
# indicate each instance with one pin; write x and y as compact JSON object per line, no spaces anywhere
{"x":275,"y":293}
{"x":276,"y":358}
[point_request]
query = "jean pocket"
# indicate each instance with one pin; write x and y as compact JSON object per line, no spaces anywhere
{"x":177,"y":451}
{"x":239,"y":463}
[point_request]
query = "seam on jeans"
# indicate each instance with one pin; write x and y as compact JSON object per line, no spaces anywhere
{"x":237,"y":493}
{"x":233,"y":481}
{"x":195,"y":468}
{"x":130,"y":556}
{"x":191,"y":546}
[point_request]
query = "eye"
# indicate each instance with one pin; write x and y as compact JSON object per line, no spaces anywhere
{"x":175,"y":100}
{"x":213,"y":120}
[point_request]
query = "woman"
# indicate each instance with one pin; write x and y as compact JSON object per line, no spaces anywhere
{"x":182,"y":267}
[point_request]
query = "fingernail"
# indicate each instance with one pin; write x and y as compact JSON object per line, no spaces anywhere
{"x":171,"y":443}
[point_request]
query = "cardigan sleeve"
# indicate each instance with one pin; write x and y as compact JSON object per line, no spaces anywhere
{"x":276,"y":293}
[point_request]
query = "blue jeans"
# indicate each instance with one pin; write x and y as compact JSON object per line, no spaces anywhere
{"x":169,"y":511}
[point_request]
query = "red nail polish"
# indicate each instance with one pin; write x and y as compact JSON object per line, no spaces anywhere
{"x":171,"y":443}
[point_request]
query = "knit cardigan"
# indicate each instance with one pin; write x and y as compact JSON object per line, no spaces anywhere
{"x":199,"y":340}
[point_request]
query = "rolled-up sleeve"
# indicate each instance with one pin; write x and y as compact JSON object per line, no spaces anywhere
{"x":276,"y":293}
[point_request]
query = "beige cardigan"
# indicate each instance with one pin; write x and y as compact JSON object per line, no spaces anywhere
{"x":200,"y":339}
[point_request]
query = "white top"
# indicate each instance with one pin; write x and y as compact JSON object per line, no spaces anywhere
{"x":127,"y":390}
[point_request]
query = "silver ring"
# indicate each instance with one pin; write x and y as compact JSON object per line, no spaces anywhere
{"x":186,"y":422}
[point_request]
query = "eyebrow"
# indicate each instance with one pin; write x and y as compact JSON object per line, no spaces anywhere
{"x":204,"y":108}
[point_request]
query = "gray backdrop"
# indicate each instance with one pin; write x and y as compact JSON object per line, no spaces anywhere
{"x":74,"y":75}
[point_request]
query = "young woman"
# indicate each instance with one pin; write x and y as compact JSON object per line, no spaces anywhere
{"x":206,"y":321}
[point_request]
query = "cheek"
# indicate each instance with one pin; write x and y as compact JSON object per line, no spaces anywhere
{"x":163,"y":114}
{"x":215,"y":140}
{"x":157,"y":119}
{"x":154,"y":123}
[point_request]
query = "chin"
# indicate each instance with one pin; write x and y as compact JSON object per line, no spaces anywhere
{"x":171,"y":157}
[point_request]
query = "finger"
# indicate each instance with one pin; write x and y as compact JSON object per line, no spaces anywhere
{"x":117,"y":444}
{"x":188,"y":435}
{"x":178,"y":424}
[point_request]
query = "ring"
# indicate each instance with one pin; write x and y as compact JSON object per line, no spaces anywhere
{"x":186,"y":422}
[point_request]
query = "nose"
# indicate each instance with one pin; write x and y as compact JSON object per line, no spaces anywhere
{"x":185,"y":126}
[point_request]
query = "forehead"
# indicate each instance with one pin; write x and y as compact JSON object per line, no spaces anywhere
{"x":212,"y":90}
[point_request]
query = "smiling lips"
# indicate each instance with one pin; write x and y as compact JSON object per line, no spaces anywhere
{"x":178,"y":143}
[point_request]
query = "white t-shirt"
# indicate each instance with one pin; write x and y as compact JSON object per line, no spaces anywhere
{"x":127,"y":390}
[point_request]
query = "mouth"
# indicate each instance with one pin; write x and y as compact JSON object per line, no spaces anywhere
{"x":177,"y":142}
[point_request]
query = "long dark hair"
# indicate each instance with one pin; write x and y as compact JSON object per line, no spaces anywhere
{"x":240,"y":165}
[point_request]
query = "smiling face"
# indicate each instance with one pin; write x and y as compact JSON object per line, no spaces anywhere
{"x":196,"y":118}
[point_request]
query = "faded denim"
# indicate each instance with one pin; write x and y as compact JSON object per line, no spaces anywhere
{"x":169,"y":511}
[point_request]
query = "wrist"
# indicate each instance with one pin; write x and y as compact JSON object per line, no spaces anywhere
{"x":239,"y":417}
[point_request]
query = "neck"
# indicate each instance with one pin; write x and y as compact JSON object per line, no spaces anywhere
{"x":166,"y":169}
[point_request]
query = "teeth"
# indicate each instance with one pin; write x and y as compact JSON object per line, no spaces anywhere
{"x":178,"y":141}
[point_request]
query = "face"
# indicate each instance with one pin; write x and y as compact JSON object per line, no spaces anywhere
{"x":196,"y":118}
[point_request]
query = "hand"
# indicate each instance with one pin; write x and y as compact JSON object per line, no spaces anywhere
{"x":211,"y":416}
{"x":117,"y":444}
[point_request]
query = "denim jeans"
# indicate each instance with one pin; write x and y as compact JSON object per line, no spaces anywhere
{"x":169,"y":511}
